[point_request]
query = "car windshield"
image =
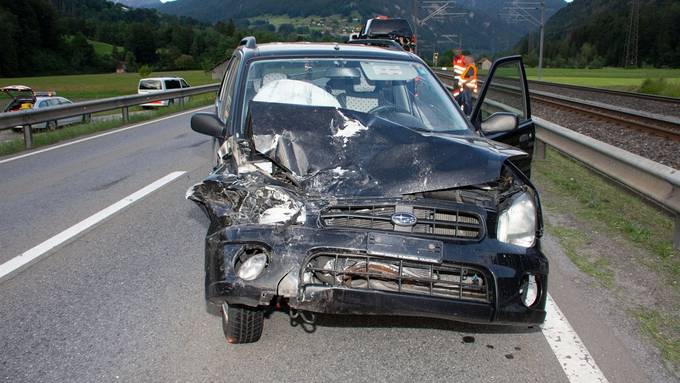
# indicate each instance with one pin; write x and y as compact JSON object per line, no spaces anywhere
{"x":405,"y":93}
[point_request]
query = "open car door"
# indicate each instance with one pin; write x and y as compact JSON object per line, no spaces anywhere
{"x":503,"y":109}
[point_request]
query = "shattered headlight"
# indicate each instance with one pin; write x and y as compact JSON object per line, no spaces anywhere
{"x":252,"y":267}
{"x":517,"y":223}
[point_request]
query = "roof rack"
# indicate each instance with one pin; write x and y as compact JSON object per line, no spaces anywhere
{"x":384,"y":43}
{"x":249,"y":42}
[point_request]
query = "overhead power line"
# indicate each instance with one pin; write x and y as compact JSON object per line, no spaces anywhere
{"x":432,"y":10}
{"x":532,"y":12}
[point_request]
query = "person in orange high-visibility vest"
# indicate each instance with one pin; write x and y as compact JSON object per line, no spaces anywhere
{"x":466,"y":81}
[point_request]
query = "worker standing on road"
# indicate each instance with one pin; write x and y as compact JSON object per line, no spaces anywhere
{"x":465,"y":75}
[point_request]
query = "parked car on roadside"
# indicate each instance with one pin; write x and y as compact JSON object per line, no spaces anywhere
{"x":24,"y":98}
{"x":161,"y":84}
{"x":348,"y":181}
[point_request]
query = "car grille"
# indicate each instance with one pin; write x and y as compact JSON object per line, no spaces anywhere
{"x":361,"y":271}
{"x":431,"y":221}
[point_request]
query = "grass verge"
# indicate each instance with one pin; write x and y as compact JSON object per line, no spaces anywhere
{"x":577,"y":192}
{"x":660,"y":86}
{"x":612,"y":78}
{"x":664,"y":330}
{"x":73,"y":131}
{"x":572,"y":241}
{"x":95,"y":86}
{"x":602,"y":201}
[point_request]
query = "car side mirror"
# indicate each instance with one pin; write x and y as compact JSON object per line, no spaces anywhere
{"x":207,"y":123}
{"x":500,"y":122}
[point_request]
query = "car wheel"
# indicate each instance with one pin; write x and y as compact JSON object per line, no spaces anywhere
{"x":51,"y":125}
{"x":242,"y":324}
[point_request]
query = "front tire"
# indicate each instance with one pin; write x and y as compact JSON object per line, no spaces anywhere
{"x":242,"y":324}
{"x":51,"y":125}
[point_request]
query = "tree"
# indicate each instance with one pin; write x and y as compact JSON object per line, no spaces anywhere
{"x":141,"y":43}
{"x":286,"y":29}
{"x":145,"y":70}
{"x":184,"y":62}
{"x":83,"y":56}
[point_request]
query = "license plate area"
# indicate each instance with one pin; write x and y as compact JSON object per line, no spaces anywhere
{"x":401,"y":247}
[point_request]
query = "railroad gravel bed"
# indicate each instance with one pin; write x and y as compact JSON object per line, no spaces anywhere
{"x":646,"y":105}
{"x":655,"y":148}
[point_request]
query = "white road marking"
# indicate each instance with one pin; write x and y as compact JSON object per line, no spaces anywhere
{"x":571,"y":353}
{"x":98,"y":135}
{"x":31,"y":255}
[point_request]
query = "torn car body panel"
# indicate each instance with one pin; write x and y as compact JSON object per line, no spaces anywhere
{"x":321,"y":197}
{"x":333,"y":151}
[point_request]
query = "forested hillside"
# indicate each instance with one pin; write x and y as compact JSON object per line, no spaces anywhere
{"x":592,"y":33}
{"x":60,"y":37}
{"x":482,"y":29}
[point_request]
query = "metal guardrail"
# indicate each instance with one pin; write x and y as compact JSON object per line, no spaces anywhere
{"x":35,"y":116}
{"x":656,"y":182}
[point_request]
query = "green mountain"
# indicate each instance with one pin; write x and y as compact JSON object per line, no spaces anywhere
{"x":58,"y":37}
{"x":482,"y":29}
{"x":593,"y":33}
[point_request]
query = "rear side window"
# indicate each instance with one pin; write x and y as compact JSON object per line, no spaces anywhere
{"x":172,"y":84}
{"x":184,"y":84}
{"x":150,"y":85}
{"x":388,"y":27}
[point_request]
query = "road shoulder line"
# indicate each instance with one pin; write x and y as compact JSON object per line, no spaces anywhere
{"x":20,"y":261}
{"x":119,"y":130}
{"x":571,"y":352}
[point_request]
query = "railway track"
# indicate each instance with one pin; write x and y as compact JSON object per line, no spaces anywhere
{"x":660,"y":125}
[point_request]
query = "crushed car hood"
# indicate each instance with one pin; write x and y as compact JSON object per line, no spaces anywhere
{"x":348,"y":153}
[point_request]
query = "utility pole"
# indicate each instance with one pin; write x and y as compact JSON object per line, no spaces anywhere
{"x":540,"y":48}
{"x":522,"y":11}
{"x":631,"y":59}
{"x":434,"y":10}
{"x":414,"y":13}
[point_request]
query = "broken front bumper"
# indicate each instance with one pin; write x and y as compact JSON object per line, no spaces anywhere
{"x":348,"y":272}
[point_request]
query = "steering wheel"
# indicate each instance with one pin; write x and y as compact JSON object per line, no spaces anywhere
{"x":383,"y":108}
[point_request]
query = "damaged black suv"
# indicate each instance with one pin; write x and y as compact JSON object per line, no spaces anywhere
{"x":348,"y":182}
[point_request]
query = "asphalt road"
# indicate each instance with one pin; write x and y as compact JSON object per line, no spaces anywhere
{"x":123,"y":301}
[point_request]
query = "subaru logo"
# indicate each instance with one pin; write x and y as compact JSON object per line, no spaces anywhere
{"x":404,"y":219}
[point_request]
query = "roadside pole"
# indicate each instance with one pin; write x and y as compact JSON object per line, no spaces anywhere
{"x":540,"y":49}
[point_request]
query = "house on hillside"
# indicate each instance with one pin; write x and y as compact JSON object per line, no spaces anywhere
{"x":218,"y":71}
{"x":484,"y":64}
{"x":121,"y":67}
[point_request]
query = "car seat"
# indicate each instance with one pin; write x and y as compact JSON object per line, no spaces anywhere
{"x":362,"y":96}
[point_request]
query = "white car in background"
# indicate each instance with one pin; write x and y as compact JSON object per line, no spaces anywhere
{"x":161,"y":84}
{"x":25,"y":98}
